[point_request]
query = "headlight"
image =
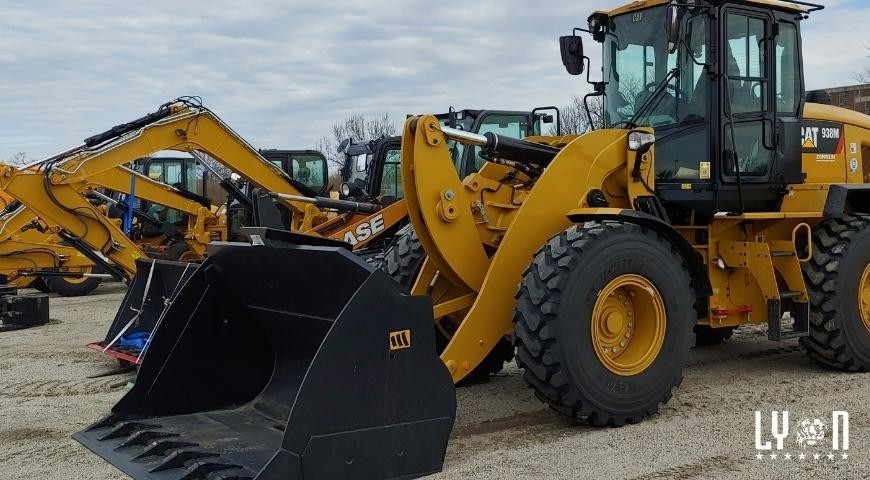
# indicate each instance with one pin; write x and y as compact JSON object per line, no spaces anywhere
{"x":345,"y":189}
{"x":640,"y":140}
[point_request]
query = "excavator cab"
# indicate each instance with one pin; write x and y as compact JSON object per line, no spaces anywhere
{"x":184,"y":173}
{"x":308,"y":173}
{"x":369,"y":172}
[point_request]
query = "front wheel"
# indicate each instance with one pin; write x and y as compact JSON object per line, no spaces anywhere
{"x":838,"y":281}
{"x":604,"y":322}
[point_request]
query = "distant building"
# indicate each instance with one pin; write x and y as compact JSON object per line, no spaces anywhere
{"x":855,"y":97}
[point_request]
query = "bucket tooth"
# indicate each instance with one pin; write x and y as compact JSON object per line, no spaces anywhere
{"x":276,"y":361}
{"x":124,"y":429}
{"x":179,"y":458}
{"x":231,"y":476}
{"x":200,"y":470}
{"x":142,"y":437}
{"x":160,"y":447}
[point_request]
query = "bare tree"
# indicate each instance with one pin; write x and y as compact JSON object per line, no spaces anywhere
{"x":865,"y":76}
{"x":574,"y":119}
{"x":358,"y":128}
{"x":20,"y":158}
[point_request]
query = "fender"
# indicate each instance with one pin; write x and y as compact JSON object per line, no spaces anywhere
{"x":855,"y":196}
{"x":694,"y":261}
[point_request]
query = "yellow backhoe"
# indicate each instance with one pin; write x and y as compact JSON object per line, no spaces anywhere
{"x":29,"y":248}
{"x":715,"y":196}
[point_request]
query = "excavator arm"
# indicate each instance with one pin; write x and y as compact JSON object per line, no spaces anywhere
{"x":25,"y":247}
{"x":186,"y":127}
{"x":54,"y":192}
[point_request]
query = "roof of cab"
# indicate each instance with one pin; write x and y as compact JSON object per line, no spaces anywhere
{"x":639,"y":4}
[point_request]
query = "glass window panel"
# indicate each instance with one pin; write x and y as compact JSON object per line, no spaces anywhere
{"x":745,"y":57}
{"x":308,"y":170}
{"x":680,"y":156}
{"x":788,"y":81}
{"x":155,"y":172}
{"x":753,"y":157}
{"x":391,"y":182}
{"x":173,"y":173}
{"x":514,"y":126}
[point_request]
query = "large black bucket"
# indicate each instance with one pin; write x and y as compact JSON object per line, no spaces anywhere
{"x":155,"y":285}
{"x":290,"y":363}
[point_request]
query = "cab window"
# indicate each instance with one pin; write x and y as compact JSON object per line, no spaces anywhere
{"x":308,"y":170}
{"x":514,"y":126}
{"x":788,"y":79}
{"x":745,"y":57}
{"x":746,"y":97}
{"x":391,"y":182}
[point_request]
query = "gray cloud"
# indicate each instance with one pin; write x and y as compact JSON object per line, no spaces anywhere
{"x":281,"y":72}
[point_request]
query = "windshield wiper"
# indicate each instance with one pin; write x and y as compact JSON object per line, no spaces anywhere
{"x":651,"y":102}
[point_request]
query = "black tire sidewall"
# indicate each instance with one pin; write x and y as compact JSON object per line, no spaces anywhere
{"x":632,"y":253}
{"x":60,"y":286}
{"x":848,"y":278}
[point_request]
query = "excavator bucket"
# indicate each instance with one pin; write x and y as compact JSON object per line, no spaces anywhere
{"x":297,"y":362}
{"x":147,"y":299}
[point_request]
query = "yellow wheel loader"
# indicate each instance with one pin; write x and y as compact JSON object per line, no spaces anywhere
{"x":713,"y":196}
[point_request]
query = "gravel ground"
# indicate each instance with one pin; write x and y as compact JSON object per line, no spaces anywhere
{"x":502,"y":431}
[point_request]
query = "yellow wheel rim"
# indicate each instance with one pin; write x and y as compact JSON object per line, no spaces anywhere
{"x":190,"y":257}
{"x":74,"y":280}
{"x":628,"y":324}
{"x":864,"y":297}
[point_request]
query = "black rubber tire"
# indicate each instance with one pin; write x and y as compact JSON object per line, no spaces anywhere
{"x":403,"y":261}
{"x":554,"y":308}
{"x":841,"y":251}
{"x":705,"y":335}
{"x":40,"y":285}
{"x":65,"y":288}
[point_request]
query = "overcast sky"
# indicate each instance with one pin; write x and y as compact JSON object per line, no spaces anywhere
{"x":281,"y":72}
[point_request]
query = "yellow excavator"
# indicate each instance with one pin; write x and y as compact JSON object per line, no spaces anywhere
{"x":29,"y":249}
{"x":714,"y":196}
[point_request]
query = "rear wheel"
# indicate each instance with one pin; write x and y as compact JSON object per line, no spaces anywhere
{"x":72,"y":286}
{"x":403,"y":261}
{"x":40,"y":285}
{"x":838,"y":280}
{"x":604,"y":322}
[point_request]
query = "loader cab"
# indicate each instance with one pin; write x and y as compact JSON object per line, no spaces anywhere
{"x":721,"y":84}
{"x":307,"y":168}
{"x":372,"y":169}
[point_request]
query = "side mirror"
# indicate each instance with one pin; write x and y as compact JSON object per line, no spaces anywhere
{"x":672,"y":27}
{"x":342,"y":147}
{"x":572,"y":53}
